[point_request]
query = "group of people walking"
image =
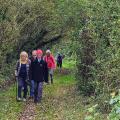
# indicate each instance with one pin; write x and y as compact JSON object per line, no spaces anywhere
{"x":34,"y":72}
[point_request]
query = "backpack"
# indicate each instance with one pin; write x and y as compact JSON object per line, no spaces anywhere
{"x":59,"y":58}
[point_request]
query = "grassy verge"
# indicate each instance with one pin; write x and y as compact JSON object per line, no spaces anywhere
{"x":60,"y":101}
{"x":9,"y":108}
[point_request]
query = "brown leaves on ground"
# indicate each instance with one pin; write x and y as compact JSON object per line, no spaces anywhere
{"x":29,"y":111}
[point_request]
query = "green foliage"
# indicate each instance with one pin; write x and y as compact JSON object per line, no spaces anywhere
{"x":98,"y":47}
{"x":89,"y":30}
{"x":92,"y":113}
{"x":115,"y":112}
{"x":24,"y":24}
{"x":95,"y":33}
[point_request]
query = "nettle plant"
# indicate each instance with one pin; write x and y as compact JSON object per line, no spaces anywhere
{"x":115,"y":103}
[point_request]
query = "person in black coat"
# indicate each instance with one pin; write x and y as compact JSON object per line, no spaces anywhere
{"x":38,"y":73}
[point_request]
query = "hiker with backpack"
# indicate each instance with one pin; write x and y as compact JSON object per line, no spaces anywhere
{"x":38,"y":73}
{"x":22,"y":75}
{"x":59,"y":60}
{"x":49,"y":58}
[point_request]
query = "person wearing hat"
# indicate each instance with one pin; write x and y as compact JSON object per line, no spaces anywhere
{"x":22,"y":74}
{"x":38,"y":73}
{"x":49,"y":58}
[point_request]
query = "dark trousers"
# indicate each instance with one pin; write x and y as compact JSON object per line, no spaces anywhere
{"x":22,"y":85}
{"x":59,"y":64}
{"x":38,"y":91}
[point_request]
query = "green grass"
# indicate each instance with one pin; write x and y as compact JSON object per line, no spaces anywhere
{"x":9,"y":108}
{"x":60,"y":100}
{"x":65,"y":79}
{"x":70,"y":64}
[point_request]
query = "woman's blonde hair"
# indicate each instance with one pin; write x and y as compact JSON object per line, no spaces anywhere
{"x":23,"y":53}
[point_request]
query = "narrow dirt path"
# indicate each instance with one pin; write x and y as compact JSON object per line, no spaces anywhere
{"x":29,"y":111}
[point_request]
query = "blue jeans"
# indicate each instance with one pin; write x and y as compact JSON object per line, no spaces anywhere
{"x":22,"y":84}
{"x":32,"y":89}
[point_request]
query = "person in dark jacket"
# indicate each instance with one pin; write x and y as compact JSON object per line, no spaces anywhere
{"x":38,"y":73}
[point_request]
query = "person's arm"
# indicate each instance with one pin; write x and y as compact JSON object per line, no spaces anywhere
{"x":53,"y":60}
{"x":16,"y":69}
{"x":30,"y":71}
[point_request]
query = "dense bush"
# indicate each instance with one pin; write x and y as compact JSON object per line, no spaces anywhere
{"x":98,"y":68}
{"x":25,"y":25}
{"x":94,"y":26}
